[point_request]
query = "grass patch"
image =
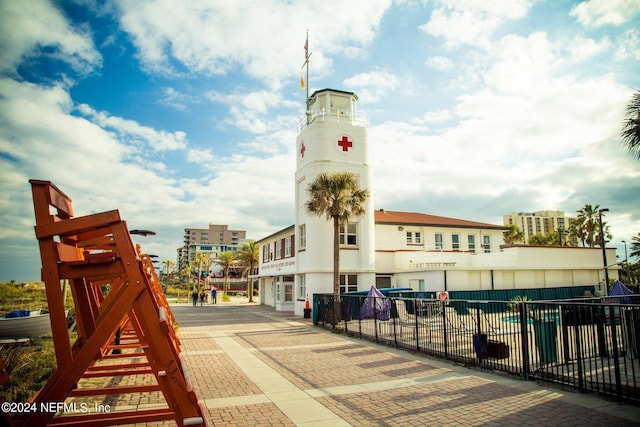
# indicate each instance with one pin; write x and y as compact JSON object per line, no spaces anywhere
{"x":21,"y":296}
{"x":29,"y":368}
{"x":29,"y":365}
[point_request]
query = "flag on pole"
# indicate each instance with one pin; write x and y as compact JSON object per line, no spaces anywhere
{"x":302,"y":84}
{"x":306,"y":47}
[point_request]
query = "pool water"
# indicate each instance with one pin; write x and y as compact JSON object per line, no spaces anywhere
{"x":515,"y":318}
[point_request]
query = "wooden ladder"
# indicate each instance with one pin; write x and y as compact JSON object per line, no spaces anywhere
{"x":124,"y":324}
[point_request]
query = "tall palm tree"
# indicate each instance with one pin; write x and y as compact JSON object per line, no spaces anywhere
{"x":337,"y":197}
{"x":587,"y":226}
{"x":248,"y":258}
{"x":168,"y":268}
{"x":630,"y":133}
{"x":188,"y":273}
{"x":635,"y":246}
{"x":203,"y":262}
{"x":226,"y":260}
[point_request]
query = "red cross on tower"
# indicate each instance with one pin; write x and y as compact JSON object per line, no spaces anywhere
{"x":302,"y":149}
{"x":345,"y":143}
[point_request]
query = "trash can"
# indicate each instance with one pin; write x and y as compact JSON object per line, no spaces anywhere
{"x":546,"y":340}
{"x":480,"y":345}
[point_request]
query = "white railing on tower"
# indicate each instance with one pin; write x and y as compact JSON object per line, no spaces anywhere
{"x":357,"y":119}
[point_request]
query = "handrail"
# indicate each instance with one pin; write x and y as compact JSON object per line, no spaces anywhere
{"x":357,"y":119}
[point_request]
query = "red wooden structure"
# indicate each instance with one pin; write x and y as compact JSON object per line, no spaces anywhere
{"x":122,"y":317}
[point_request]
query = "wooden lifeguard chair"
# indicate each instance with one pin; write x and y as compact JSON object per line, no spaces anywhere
{"x":115,"y":292}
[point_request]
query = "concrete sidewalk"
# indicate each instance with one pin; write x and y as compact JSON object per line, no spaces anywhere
{"x":252,"y":366}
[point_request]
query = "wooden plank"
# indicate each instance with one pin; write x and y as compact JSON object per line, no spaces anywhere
{"x":77,"y":225}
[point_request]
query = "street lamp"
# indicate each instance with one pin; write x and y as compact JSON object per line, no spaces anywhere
{"x":604,"y":252}
{"x":626,"y":261}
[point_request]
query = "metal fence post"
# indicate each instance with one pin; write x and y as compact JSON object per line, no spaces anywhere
{"x":524,"y":337}
{"x":614,"y":343}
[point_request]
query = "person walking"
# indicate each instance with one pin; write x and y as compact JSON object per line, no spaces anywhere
{"x":194,"y":297}
{"x":214,"y":295}
{"x":202,"y":298}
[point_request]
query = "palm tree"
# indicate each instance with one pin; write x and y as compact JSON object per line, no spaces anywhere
{"x":248,"y":256}
{"x":202,"y":260}
{"x":550,"y":239}
{"x":226,"y":260}
{"x":631,"y":126}
{"x":513,"y":235}
{"x":337,"y":197}
{"x":168,"y":268}
{"x":586,"y":228}
{"x":635,"y":246}
{"x":188,"y":272}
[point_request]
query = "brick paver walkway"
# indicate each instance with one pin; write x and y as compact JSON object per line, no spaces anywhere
{"x":252,"y":366}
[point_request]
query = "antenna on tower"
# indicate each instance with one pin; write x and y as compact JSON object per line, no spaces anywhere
{"x":303,"y":84}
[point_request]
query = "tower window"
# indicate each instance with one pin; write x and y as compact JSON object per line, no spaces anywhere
{"x":303,"y":236}
{"x":472,"y":242}
{"x":438,"y":241}
{"x":348,"y":234}
{"x":455,"y":242}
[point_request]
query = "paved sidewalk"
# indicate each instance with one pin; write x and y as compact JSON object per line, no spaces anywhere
{"x":253,"y":366}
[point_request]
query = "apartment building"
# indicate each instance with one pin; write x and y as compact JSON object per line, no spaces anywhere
{"x":540,"y":222}
{"x":213,"y":240}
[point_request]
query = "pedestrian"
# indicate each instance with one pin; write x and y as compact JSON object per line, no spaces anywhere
{"x":202,"y":297}
{"x":214,"y":295}
{"x":194,"y":297}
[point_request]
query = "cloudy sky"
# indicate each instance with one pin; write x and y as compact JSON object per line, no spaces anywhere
{"x":181,"y":114}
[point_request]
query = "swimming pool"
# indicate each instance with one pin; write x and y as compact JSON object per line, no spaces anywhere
{"x":515,"y":318}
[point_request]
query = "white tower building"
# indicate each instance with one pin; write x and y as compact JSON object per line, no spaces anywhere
{"x":333,"y":137}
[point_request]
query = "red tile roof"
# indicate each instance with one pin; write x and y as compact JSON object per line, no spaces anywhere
{"x":413,"y":218}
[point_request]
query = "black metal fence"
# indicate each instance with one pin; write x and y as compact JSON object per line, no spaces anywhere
{"x":589,"y":344}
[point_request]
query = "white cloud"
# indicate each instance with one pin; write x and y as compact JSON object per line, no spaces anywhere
{"x":596,"y":13}
{"x":265,"y":41}
{"x":582,"y":48}
{"x":252,"y":111}
{"x":174,"y":99}
{"x":374,"y":85}
{"x":135,"y":134}
{"x":29,"y":26}
{"x":472,"y":22}
{"x":440,"y":63}
{"x":437,"y":116}
{"x":628,"y":45}
{"x":521,"y":64}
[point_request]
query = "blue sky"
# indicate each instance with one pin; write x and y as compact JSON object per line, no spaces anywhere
{"x":181,"y":114}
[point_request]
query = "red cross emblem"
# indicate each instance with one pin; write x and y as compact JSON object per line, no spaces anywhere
{"x":302,"y":149}
{"x":345,"y":143}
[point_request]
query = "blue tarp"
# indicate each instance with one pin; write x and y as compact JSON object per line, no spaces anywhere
{"x":619,"y":289}
{"x":376,"y":303}
{"x":18,"y":313}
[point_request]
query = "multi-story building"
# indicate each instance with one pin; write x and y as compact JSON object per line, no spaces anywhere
{"x":540,"y":222}
{"x":212,"y":241}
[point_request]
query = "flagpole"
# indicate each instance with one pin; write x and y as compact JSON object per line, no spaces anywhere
{"x":306,"y":59}
{"x":307,"y":55}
